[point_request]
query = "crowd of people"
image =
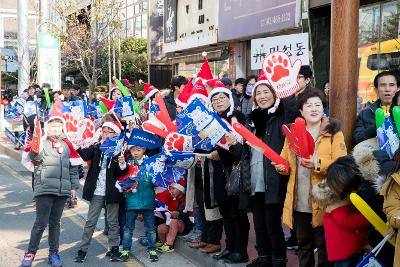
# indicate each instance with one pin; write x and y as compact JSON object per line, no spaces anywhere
{"x":311,"y":197}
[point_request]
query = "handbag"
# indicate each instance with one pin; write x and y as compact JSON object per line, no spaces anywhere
{"x":233,"y":182}
{"x":370,"y":260}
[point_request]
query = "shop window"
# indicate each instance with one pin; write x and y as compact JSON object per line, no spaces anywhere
{"x":378,"y":44}
{"x":201,"y":19}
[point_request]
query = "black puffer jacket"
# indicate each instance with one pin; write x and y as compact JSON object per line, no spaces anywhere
{"x":268,"y":127}
{"x":365,"y":123}
{"x":170,"y":105}
{"x":94,"y":154}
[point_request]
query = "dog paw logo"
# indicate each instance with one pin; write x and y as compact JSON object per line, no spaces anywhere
{"x":177,"y":142}
{"x":71,"y":123}
{"x":282,"y":74}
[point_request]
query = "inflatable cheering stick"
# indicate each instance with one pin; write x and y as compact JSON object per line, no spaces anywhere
{"x":163,"y":115}
{"x":260,"y":145}
{"x":371,"y":216}
{"x":396,"y":117}
{"x":36,"y":145}
{"x":379,"y":117}
{"x":154,"y":129}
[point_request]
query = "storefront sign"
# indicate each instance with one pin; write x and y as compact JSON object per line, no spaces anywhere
{"x":195,"y":26}
{"x":294,"y":45}
{"x":156,"y":31}
{"x":238,"y":19}
{"x":49,"y":60}
{"x":170,"y":21}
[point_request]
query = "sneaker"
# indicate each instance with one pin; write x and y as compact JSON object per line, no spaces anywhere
{"x":291,"y":243}
{"x":159,"y":244}
{"x":153,"y":256}
{"x":165,"y":248}
{"x":55,"y":260}
{"x":115,"y":254}
{"x":81,"y":257}
{"x":124,"y":255}
{"x":28,"y":259}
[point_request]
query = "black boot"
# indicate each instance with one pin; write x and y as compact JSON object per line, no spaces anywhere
{"x":115,"y":254}
{"x":279,"y":263}
{"x":261,"y":261}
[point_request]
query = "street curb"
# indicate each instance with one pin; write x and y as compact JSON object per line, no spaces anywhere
{"x":199,"y":258}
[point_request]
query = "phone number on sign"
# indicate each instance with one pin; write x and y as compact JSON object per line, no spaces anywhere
{"x":285,"y":17}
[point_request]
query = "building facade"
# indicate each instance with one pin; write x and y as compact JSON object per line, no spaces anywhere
{"x":8,"y":10}
{"x":238,"y":34}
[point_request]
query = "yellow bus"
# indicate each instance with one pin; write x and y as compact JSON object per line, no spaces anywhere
{"x":374,"y":58}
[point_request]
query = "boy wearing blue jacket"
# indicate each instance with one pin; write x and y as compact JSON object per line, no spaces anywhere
{"x":140,"y":199}
{"x":139,"y":192}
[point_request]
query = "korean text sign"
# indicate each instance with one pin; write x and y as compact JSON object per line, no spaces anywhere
{"x":294,"y":45}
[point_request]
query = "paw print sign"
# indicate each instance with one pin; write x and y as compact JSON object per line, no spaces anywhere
{"x":178,"y":142}
{"x":282,"y":74}
{"x":81,"y":132}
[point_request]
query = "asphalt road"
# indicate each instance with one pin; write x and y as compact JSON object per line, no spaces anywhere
{"x":17,"y":215}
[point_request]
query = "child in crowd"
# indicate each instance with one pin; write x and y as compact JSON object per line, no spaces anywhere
{"x":55,"y":179}
{"x":140,"y":199}
{"x":177,"y":219}
{"x":100,"y":190}
{"x":346,"y":229}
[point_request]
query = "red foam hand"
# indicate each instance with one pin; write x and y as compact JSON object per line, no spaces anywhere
{"x":257,"y":143}
{"x":153,"y":129}
{"x":163,"y":115}
{"x":301,"y":143}
{"x":36,"y":145}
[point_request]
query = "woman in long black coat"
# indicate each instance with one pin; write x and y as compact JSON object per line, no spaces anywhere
{"x":263,"y":189}
{"x":236,"y":223}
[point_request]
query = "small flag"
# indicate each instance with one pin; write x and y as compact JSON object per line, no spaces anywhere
{"x":113,"y":146}
{"x":178,"y":159}
{"x":77,"y":108}
{"x":155,"y":166}
{"x":124,"y":108}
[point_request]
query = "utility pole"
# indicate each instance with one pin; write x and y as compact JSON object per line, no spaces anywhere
{"x":23,"y":46}
{"x":343,"y":65}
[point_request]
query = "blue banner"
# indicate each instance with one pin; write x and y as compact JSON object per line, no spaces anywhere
{"x":387,"y":137}
{"x":206,"y":127}
{"x":144,"y":139}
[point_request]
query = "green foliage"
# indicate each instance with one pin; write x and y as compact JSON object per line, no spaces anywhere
{"x":133,"y":56}
{"x":134,"y":59}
